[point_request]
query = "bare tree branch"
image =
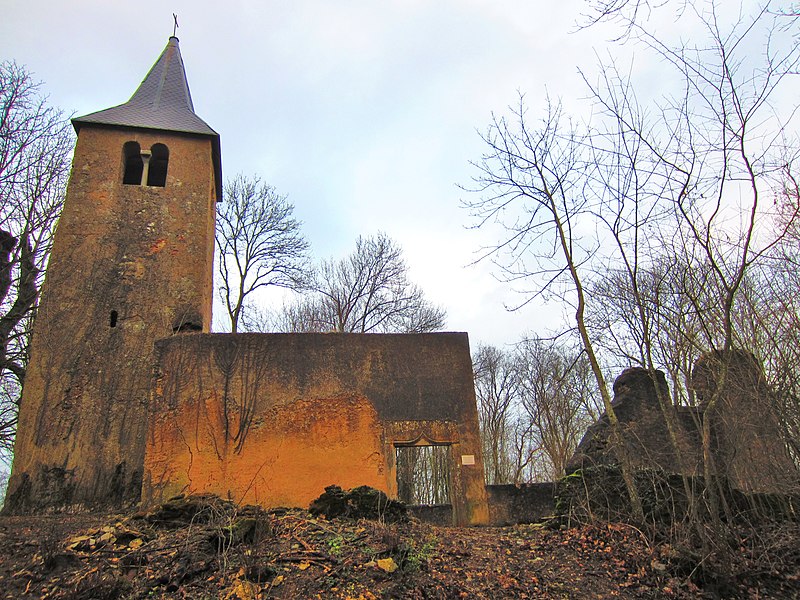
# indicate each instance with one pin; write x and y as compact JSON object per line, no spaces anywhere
{"x":259,"y":244}
{"x":36,"y":143}
{"x":366,"y":292}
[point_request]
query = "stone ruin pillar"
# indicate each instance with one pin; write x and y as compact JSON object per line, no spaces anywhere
{"x":747,"y":440}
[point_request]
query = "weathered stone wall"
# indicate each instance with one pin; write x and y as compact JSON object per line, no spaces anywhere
{"x":748,"y":448}
{"x":275,"y":418}
{"x":524,"y":503}
{"x":144,"y":253}
{"x":645,"y":438}
{"x":436,"y":514}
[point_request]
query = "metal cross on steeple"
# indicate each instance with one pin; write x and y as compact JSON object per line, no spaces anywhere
{"x":175,"y":27}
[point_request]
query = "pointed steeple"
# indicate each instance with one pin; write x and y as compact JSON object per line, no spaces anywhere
{"x":161,"y":102}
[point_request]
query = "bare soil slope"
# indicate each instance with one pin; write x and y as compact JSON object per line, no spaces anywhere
{"x":208,"y":548}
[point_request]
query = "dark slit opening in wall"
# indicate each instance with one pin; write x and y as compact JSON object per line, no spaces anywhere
{"x":186,"y":326}
{"x":112,"y":321}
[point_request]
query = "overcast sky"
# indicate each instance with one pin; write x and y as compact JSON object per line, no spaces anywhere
{"x":364,"y":112}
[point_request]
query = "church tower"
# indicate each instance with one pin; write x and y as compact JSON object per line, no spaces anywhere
{"x":131,"y":263}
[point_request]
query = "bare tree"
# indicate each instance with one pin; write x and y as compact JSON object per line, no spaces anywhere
{"x":366,"y":292}
{"x":768,"y":317}
{"x":685,"y":189}
{"x":557,"y":400}
{"x":4,"y":475}
{"x":534,"y":404}
{"x":630,"y":11}
{"x":497,"y":388}
{"x":723,"y":148}
{"x":532,"y":181}
{"x":675,"y":320}
{"x":259,"y":244}
{"x":423,"y":474}
{"x":36,"y":143}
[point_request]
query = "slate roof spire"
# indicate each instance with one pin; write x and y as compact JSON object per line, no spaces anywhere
{"x":162,"y":102}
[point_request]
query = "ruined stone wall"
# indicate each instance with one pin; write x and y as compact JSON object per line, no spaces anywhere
{"x":275,"y":418}
{"x":129,"y":264}
{"x":748,"y":447}
{"x":646,"y":441}
{"x":510,"y":504}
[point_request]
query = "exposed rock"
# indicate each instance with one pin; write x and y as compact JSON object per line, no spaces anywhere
{"x":635,"y":390}
{"x":745,"y":380}
{"x":362,"y":502}
{"x":179,"y":510}
{"x":747,"y":441}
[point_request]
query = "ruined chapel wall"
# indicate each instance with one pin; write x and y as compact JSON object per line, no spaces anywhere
{"x":646,"y":440}
{"x":274,"y":418}
{"x":747,"y":446}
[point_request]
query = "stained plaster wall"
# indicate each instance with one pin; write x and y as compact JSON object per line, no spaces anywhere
{"x":274,"y":418}
{"x":145,"y":253}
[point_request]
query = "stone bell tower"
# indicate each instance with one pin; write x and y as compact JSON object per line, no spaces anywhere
{"x":131,"y":263}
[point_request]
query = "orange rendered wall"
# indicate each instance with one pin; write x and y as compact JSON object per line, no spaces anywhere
{"x":291,"y":453}
{"x":273,"y":419}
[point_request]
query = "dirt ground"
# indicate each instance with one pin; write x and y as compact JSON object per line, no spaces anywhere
{"x":212,"y":549}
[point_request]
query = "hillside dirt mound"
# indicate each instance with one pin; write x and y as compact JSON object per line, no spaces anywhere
{"x":204,"y":547}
